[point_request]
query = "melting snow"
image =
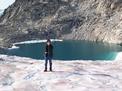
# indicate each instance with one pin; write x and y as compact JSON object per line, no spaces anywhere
{"x":25,"y":74}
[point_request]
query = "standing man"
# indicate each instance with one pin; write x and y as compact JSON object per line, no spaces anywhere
{"x":48,"y":55}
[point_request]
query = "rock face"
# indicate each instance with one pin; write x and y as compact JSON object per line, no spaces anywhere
{"x":95,"y":20}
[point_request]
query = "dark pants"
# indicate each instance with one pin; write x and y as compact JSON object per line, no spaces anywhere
{"x":48,"y":58}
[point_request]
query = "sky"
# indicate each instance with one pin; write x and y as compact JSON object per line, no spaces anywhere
{"x":5,"y":3}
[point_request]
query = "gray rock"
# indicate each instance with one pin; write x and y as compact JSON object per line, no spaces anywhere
{"x":94,"y":20}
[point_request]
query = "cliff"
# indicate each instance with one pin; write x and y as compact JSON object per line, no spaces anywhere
{"x":95,"y":20}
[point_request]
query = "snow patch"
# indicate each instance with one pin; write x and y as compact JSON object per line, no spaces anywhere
{"x":26,"y":74}
{"x":37,"y":41}
{"x":13,"y":47}
{"x":119,"y":56}
{"x":31,"y":42}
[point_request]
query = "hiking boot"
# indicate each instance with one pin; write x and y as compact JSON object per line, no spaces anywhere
{"x":51,"y":70}
{"x":45,"y":70}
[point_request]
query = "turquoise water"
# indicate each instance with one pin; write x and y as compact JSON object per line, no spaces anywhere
{"x":69,"y":50}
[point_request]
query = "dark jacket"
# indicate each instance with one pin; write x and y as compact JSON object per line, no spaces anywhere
{"x":49,"y":50}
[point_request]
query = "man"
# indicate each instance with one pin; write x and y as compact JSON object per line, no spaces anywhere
{"x":48,"y":55}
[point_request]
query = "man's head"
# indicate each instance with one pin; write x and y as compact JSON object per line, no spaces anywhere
{"x":48,"y":42}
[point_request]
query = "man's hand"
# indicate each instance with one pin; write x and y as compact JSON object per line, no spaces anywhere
{"x":45,"y":52}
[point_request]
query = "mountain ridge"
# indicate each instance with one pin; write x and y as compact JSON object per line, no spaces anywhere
{"x":93,"y":20}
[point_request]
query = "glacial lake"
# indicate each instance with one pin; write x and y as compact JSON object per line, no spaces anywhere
{"x":69,"y":50}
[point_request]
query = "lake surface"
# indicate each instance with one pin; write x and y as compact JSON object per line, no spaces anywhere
{"x":69,"y":50}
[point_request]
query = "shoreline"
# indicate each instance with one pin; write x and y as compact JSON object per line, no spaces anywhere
{"x":36,"y":41}
{"x":117,"y":59}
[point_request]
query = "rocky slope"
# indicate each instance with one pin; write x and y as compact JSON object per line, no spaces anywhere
{"x":24,"y":74}
{"x":95,"y":20}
